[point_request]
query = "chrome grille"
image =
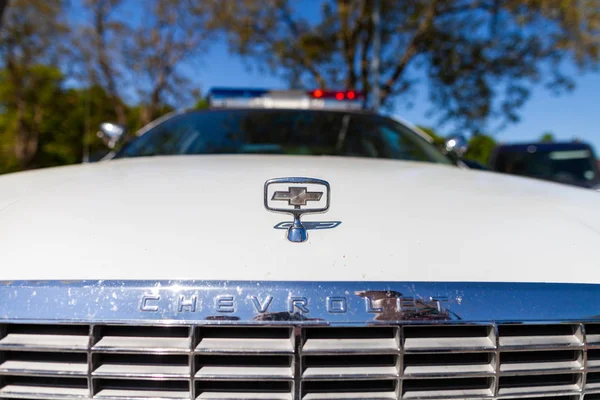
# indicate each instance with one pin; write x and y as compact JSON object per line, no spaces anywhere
{"x":560,"y":361}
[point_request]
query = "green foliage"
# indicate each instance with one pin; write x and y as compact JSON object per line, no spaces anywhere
{"x":480,"y":148}
{"x":201,"y":104}
{"x":547,"y":137}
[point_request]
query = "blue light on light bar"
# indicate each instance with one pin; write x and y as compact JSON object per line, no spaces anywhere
{"x":230,"y":93}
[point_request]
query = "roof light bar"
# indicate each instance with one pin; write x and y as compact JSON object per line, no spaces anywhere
{"x":297,"y":99}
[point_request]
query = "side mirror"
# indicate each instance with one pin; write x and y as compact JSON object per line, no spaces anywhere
{"x":110,"y":134}
{"x":456,"y":145}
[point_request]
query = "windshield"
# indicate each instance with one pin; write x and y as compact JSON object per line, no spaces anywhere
{"x":292,"y":132}
{"x":574,"y":166}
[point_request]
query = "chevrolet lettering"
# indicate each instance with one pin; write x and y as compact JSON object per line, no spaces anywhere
{"x":377,"y":302}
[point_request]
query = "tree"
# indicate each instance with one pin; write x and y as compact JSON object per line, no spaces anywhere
{"x":547,"y":137}
{"x":480,"y":57}
{"x":31,"y":41}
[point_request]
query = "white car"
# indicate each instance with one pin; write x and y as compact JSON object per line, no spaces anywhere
{"x":385,"y":271}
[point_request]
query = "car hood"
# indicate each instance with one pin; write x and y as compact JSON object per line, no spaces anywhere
{"x":202,"y":217}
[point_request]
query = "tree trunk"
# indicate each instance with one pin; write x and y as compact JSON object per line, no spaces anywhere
{"x":105,"y":62}
{"x":3,"y":6}
{"x":26,"y":146}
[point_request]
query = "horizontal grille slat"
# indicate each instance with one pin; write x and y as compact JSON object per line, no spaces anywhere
{"x":540,"y":336}
{"x":531,"y":361}
{"x":447,"y":388}
{"x":352,"y":396}
{"x":449,"y":364}
{"x":115,"y":394}
{"x":593,"y":380}
{"x":65,"y":338}
{"x":351,"y":367}
{"x":214,"y":345}
{"x":117,"y":344}
{"x":593,"y":359}
{"x":532,"y":384}
{"x":244,"y":395}
{"x":448,"y":338}
{"x":227,"y":340}
{"x":149,"y":339}
{"x":549,"y":397}
{"x":244,"y":367}
{"x":357,"y":389}
{"x":592,"y":334}
{"x":142,"y":371}
{"x":43,"y":364}
{"x":15,"y":367}
{"x":350,"y":340}
{"x":44,"y":342}
{"x":128,"y":389}
{"x":43,"y":388}
{"x":141,"y":366}
{"x":350,"y":346}
{"x":269,"y":373}
{"x":273,"y":390}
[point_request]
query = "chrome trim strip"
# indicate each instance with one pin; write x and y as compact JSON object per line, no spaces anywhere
{"x":296,"y":303}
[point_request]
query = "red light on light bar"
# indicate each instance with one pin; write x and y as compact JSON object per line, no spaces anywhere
{"x":351,"y":95}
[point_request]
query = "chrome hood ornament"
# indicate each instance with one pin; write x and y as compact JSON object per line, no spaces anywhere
{"x":297,"y":196}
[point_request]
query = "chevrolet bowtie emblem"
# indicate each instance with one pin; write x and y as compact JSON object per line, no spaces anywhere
{"x":297,"y":196}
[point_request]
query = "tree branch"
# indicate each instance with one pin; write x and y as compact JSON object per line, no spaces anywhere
{"x":366,"y":45}
{"x":411,"y":50}
{"x":347,"y":42}
{"x":287,"y":18}
{"x":103,"y":61}
{"x":297,"y":54}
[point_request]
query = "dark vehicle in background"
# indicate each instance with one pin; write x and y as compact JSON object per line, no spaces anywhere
{"x":573,"y":163}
